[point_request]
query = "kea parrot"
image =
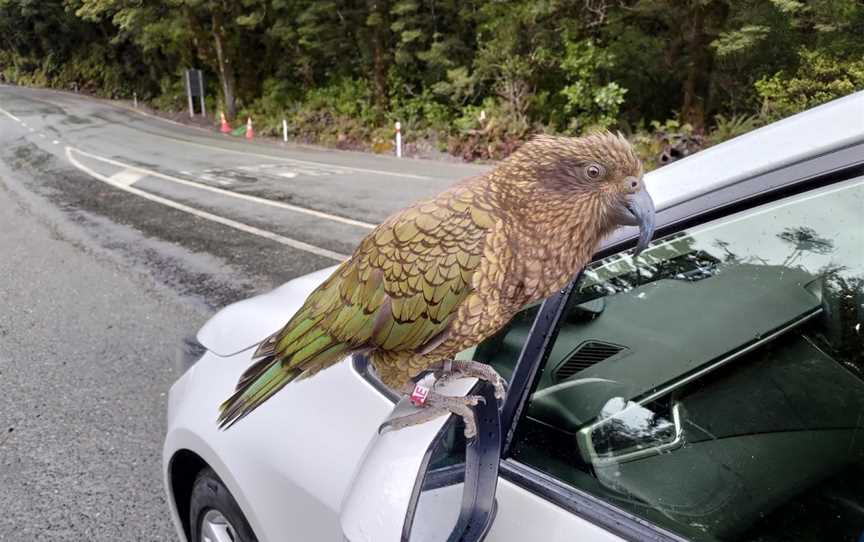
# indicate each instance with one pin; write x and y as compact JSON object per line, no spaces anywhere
{"x":445,"y":273}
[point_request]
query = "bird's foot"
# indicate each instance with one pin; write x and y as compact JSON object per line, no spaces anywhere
{"x":434,"y":405}
{"x":454,"y":369}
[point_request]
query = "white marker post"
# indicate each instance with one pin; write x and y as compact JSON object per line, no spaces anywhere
{"x":398,"y":139}
{"x":284,"y":130}
{"x":135,"y":99}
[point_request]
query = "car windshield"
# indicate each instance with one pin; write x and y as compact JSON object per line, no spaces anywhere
{"x":727,"y":285}
{"x":714,"y":385}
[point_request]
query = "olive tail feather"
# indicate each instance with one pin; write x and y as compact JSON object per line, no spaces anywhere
{"x":267,"y":376}
{"x":263,"y":379}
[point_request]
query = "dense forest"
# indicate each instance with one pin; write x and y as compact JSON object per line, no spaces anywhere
{"x":472,"y":77}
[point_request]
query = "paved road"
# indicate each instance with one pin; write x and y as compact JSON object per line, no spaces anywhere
{"x":119,"y":235}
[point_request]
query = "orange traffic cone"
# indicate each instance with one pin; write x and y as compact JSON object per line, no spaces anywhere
{"x":224,"y":128}
{"x":249,"y":132}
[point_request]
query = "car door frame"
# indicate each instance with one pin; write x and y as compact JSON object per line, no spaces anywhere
{"x":786,"y":180}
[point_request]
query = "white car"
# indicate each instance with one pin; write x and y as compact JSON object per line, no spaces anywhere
{"x":711,"y":390}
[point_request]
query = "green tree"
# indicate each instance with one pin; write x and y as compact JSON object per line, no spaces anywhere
{"x":478,"y":75}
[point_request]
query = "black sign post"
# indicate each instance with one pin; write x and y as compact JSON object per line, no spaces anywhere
{"x":194,"y":80}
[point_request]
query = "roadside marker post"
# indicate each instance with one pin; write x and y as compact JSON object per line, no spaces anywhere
{"x":398,"y":139}
{"x":135,"y":99}
{"x":284,"y":131}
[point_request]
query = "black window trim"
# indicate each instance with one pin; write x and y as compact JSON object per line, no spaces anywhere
{"x":830,"y":168}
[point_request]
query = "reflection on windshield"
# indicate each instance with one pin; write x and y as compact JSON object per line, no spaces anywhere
{"x":628,"y":430}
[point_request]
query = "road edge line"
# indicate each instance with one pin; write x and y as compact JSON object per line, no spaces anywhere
{"x":246,"y":228}
{"x":11,"y":116}
{"x":229,"y":193}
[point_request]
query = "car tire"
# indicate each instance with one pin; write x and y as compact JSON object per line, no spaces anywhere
{"x":213,"y":512}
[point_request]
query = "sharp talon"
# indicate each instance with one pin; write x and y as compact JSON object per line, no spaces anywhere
{"x":420,"y":415}
{"x":501,"y":389}
{"x":470,"y":430}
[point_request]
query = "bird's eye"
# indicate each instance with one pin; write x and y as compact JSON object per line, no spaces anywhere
{"x":593,"y":171}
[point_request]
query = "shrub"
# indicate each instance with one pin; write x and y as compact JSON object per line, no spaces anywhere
{"x":819,"y":78}
{"x":733,"y":126}
{"x":339,"y":114}
{"x":590,"y":102}
{"x":487,"y":131}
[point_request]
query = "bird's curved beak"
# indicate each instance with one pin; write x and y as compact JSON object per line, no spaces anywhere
{"x":638,"y":210}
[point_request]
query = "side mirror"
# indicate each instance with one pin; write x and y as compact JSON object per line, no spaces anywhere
{"x":413,"y":485}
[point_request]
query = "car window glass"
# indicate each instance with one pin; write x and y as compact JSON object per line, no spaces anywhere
{"x":716,"y":387}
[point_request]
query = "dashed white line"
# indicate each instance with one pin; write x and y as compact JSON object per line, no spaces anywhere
{"x":11,"y":116}
{"x":55,"y":142}
{"x":229,"y":193}
{"x":294,"y":243}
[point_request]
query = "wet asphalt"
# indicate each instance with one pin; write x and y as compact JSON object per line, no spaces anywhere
{"x":112,"y":250}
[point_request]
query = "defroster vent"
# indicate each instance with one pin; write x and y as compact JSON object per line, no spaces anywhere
{"x":586,"y":355}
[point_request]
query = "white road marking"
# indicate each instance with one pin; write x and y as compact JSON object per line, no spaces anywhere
{"x":246,"y":197}
{"x":304,"y":162}
{"x":55,"y":142}
{"x":43,"y":136}
{"x":127,"y":177}
{"x":311,"y":172}
{"x":294,"y":243}
{"x":11,"y":116}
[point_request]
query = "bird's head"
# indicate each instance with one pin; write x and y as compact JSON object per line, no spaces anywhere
{"x":599,"y":175}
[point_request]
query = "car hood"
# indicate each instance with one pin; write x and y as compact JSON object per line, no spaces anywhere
{"x":244,"y":324}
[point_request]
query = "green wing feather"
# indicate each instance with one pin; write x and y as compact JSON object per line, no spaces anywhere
{"x":397,"y":292}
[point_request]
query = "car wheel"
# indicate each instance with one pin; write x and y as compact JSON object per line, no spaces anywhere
{"x":214,"y":514}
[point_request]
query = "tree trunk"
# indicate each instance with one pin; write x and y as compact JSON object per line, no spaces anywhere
{"x":695,"y":85}
{"x":380,"y":62}
{"x":225,"y":68}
